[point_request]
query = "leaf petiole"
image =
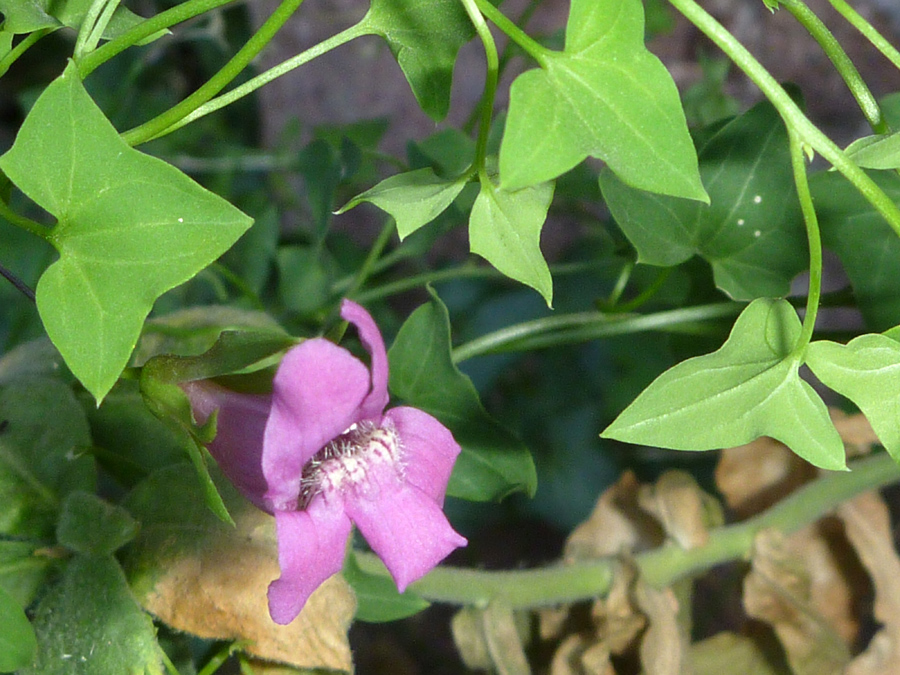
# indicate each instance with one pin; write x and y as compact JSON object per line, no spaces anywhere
{"x":531,"y":47}
{"x":798,"y":163}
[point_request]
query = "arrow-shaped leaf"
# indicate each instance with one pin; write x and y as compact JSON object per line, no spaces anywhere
{"x":749,"y":388}
{"x":130,"y":227}
{"x":604,"y":96}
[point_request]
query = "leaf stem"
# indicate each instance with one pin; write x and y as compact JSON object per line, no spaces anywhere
{"x":798,"y":163}
{"x":582,"y":326}
{"x":26,"y":224}
{"x":162,"y":123}
{"x":585,"y":580}
{"x":162,"y":21}
{"x":264,"y":78}
{"x":10,"y":57}
{"x":789,"y":111}
{"x":868,"y":31}
{"x":92,"y":26}
{"x":842,"y":63}
{"x":490,"y":83}
{"x":531,"y":46}
{"x":374,"y":253}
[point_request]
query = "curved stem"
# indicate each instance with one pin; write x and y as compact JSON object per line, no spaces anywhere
{"x":162,"y":123}
{"x":868,"y":31}
{"x":552,"y":330}
{"x":162,"y":21}
{"x":374,"y":253}
{"x":841,"y":62}
{"x":26,"y":224}
{"x":814,"y":237}
{"x":255,"y":83}
{"x":531,"y":47}
{"x":490,"y":82}
{"x":564,"y":583}
{"x":10,"y":57}
{"x":20,"y":285}
{"x":790,"y":113}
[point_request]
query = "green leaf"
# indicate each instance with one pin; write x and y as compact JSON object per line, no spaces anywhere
{"x":24,"y":568}
{"x":130,"y":227}
{"x":492,"y":463}
{"x":750,"y":387}
{"x":414,"y":198}
{"x":864,"y":370}
{"x":751,"y":232}
{"x":377,"y":598}
{"x":867,"y":246}
{"x":604,"y":96}
{"x":25,"y":16}
{"x":18,"y":643}
{"x":43,"y":437}
{"x":92,"y":526}
{"x":876,"y":152}
{"x":90,"y":624}
{"x":505,"y":229}
{"x":425,"y":38}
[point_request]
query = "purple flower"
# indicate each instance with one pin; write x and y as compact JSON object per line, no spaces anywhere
{"x":322,"y":454}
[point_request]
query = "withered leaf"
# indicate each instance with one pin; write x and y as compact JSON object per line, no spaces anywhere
{"x":664,"y":646}
{"x":490,"y":638}
{"x":685,"y":511}
{"x":726,"y":653}
{"x":777,"y":591}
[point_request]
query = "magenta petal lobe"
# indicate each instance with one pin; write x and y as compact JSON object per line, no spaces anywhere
{"x":316,"y":396}
{"x":406,"y":528}
{"x":311,"y":546}
{"x":429,"y":450}
{"x":371,"y":338}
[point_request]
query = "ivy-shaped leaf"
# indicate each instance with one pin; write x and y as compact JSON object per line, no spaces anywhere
{"x":867,"y":371}
{"x":867,"y":246}
{"x":91,"y":624}
{"x":604,"y":96}
{"x":750,"y":232}
{"x":750,"y":387}
{"x":492,"y":463}
{"x":425,"y":38}
{"x":130,"y":227}
{"x":414,"y":198}
{"x":505,"y":229}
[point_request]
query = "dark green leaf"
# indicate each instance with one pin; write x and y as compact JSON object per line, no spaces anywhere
{"x":43,"y":439}
{"x":91,"y":526}
{"x":18,"y":643}
{"x":867,"y":371}
{"x":414,"y":198}
{"x":90,"y":624}
{"x":750,"y":233}
{"x":750,"y":387}
{"x":605,"y":96}
{"x":24,"y":568}
{"x":377,"y":598}
{"x":505,"y":229}
{"x":867,"y":246}
{"x":424,"y":38}
{"x":493,"y":463}
{"x":130,"y":227}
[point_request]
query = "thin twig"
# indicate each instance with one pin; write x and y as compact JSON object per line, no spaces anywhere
{"x":18,"y":283}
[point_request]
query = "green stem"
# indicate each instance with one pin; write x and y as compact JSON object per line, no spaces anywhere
{"x":552,"y":330}
{"x":798,"y":163}
{"x":789,"y":111}
{"x":490,"y":82}
{"x":868,"y":31}
{"x":531,"y":47}
{"x":10,"y":57}
{"x":162,"y":123}
{"x":374,"y":253}
{"x":841,"y":62}
{"x":26,"y":224}
{"x":564,"y":583}
{"x":162,"y":21}
{"x":255,"y":83}
{"x":94,"y":23}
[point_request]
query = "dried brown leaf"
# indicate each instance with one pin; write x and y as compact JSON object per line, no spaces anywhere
{"x":219,"y":592}
{"x":664,"y":646}
{"x":618,"y":620}
{"x":578,"y":655}
{"x":616,"y":524}
{"x":685,"y":511}
{"x":777,"y":591}
{"x":491,"y":638}
{"x":855,"y":431}
{"x":867,"y":524}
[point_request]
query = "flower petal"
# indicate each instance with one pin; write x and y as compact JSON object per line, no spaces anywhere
{"x":429,"y":450}
{"x":370,"y":336}
{"x":317,"y":393}
{"x":311,"y":546}
{"x":406,"y":528}
{"x":240,"y":425}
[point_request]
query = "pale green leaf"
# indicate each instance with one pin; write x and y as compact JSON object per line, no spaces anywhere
{"x":414,"y":198}
{"x":130,"y":227}
{"x":17,"y":641}
{"x":750,"y":387}
{"x":876,"y":152}
{"x":604,"y":96}
{"x":505,"y":229}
